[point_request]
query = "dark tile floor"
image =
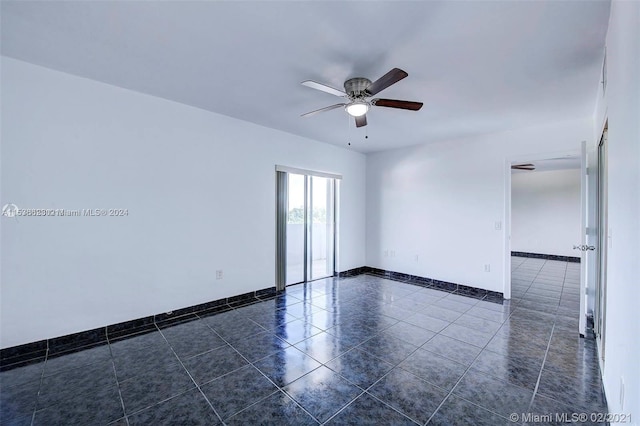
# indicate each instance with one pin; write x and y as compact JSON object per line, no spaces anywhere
{"x":361,"y":350}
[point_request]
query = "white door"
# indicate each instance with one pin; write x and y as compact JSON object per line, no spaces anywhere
{"x":602,"y":244}
{"x":589,"y":226}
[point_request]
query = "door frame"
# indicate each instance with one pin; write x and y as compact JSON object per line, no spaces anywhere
{"x":509,"y":161}
{"x":281,"y":206}
{"x":602,"y":214}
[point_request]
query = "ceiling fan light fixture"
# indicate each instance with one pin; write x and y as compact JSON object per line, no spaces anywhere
{"x":357,"y":93}
{"x":357,"y":108}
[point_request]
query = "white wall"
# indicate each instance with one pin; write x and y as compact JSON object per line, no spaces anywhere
{"x":620,"y":104}
{"x":199,"y":188}
{"x":441,"y":202}
{"x":545,"y":212}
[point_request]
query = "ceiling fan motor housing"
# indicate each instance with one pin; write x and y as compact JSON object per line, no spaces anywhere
{"x":357,"y":87}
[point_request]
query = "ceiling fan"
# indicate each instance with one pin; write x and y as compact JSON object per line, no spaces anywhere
{"x":357,"y":92}
{"x":527,"y":166}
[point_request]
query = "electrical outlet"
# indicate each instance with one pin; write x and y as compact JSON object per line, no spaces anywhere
{"x":487,"y":268}
{"x":219,"y":274}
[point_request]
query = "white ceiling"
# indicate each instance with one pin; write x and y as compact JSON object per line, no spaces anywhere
{"x":478,"y":66}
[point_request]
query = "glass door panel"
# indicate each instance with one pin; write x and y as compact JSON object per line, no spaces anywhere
{"x":305,"y":228}
{"x":295,"y":232}
{"x":321,"y":239}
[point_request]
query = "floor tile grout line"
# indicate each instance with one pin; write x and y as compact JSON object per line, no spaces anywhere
{"x":362,"y":392}
{"x":531,"y":284}
{"x":188,"y":373}
{"x":260,"y":371}
{"x":458,"y":382}
{"x":281,"y":391}
{"x":535,"y":390}
{"x":43,"y":376}
{"x":396,"y":366}
{"x":155,"y":404}
{"x":115,"y":374}
{"x":44,"y":365}
{"x":472,"y":403}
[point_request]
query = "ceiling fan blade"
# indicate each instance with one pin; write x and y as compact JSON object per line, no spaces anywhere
{"x":393,"y":103}
{"x":529,"y":167}
{"x":392,"y":77}
{"x":323,"y":88}
{"x":361,"y":121}
{"x":322,"y":110}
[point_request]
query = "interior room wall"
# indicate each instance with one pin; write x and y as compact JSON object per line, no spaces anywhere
{"x":545,"y":212}
{"x":620,"y":105}
{"x":438,"y":210}
{"x":199,"y":189}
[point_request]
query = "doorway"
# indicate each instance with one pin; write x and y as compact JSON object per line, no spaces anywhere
{"x":306,"y":224}
{"x":544,"y":226}
{"x":542,"y":223}
{"x":592,"y":243}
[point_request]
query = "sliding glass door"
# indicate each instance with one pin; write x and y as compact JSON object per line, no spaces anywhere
{"x":321,"y":241}
{"x":306,"y":218}
{"x":296,"y":265}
